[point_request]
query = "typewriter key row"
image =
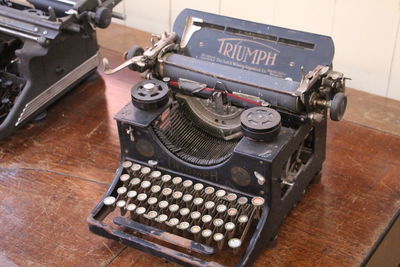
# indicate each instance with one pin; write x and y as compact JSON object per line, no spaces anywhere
{"x":192,"y":210}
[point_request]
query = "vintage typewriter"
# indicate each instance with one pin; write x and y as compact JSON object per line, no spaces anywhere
{"x":46,"y":48}
{"x":221,"y":139}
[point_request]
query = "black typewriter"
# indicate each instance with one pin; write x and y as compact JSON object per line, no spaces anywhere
{"x":220,"y":140}
{"x":46,"y":48}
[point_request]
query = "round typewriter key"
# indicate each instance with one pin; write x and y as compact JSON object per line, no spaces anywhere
{"x":221,"y":208}
{"x":220,"y":193}
{"x":257,"y":201}
{"x":145,"y":184}
{"x":145,"y":170}
{"x":195,"y":229}
{"x":162,"y":218}
{"x":131,"y":194}
{"x":126,"y":164}
{"x":142,"y":197}
{"x":243,"y":219}
{"x":166,"y":178}
{"x":121,"y":203}
{"x":209,"y":205}
{"x":231,"y":197}
{"x":131,"y":207}
{"x":124,"y":177}
{"x":232,"y":212}
{"x":198,"y":201}
{"x":173,"y":208}
{"x":152,"y":200}
{"x":140,"y":210}
{"x":122,"y":190}
{"x":209,"y":190}
{"x":177,"y":195}
{"x":172,"y":222}
{"x":136,"y":167}
{"x":195,"y":215}
{"x":242,"y":200}
{"x":166,"y":192}
{"x":155,"y":189}
{"x":155,"y":174}
{"x":206,"y":219}
{"x":151,"y":215}
{"x":218,"y":223}
{"x":183,"y":226}
{"x":218,"y":238}
{"x":229,"y":226}
{"x":198,"y":187}
{"x":206,"y":234}
{"x":108,"y":201}
{"x":184,"y":211}
{"x":187,"y":198}
{"x":187,"y":184}
{"x":234,"y":244}
{"x":135,"y":181}
{"x":163,"y":204}
{"x":176,"y":180}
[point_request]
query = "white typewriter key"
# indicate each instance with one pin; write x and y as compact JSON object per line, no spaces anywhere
{"x":135,"y":182}
{"x":141,"y":197}
{"x":242,"y":201}
{"x":135,"y":168}
{"x":140,"y":211}
{"x":173,"y":209}
{"x":220,"y":193}
{"x":187,"y":198}
{"x":231,"y":197}
{"x":229,"y":229}
{"x":206,"y":219}
{"x":124,"y":178}
{"x":145,"y":185}
{"x":235,"y":243}
{"x":176,"y":181}
{"x":186,"y":185}
{"x":219,"y":239}
{"x":198,"y":188}
{"x":209,"y":191}
{"x":162,"y":218}
{"x":163,"y":205}
{"x":121,"y":205}
{"x":155,"y":190}
{"x":152,"y":201}
{"x":195,"y":215}
{"x":197,"y":202}
{"x":206,"y":234}
{"x":166,"y":192}
{"x":177,"y":195}
{"x":221,"y":208}
{"x":122,"y":190}
{"x":131,"y":194}
{"x":173,"y":222}
{"x":165,"y":178}
{"x":242,"y":221}
{"x":232,"y":212}
{"x":155,"y":175}
{"x":126,"y":164}
{"x":131,"y":208}
{"x":109,"y":201}
{"x":151,"y":215}
{"x":184,"y":212}
{"x":257,"y":202}
{"x":195,"y":230}
{"x":218,"y":223}
{"x":145,"y":171}
{"x":209,"y":205}
{"x":184,"y":227}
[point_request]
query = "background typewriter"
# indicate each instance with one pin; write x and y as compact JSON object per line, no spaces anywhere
{"x":46,"y":47}
{"x":221,"y":139}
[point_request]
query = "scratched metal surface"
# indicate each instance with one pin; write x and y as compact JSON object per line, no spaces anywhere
{"x":54,"y":172}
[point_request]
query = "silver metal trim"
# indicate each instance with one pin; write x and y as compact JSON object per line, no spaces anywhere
{"x":18,"y":34}
{"x":58,"y":88}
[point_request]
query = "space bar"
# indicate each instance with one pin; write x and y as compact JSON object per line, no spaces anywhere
{"x":164,"y":236}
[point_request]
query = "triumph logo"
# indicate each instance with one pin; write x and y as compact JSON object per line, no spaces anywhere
{"x":248,"y":51}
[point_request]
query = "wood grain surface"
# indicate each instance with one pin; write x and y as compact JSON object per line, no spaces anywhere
{"x":52,"y":173}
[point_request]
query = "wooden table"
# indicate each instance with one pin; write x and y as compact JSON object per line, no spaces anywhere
{"x":52,"y":174}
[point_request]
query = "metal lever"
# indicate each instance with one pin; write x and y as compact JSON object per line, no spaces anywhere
{"x":108,"y":70}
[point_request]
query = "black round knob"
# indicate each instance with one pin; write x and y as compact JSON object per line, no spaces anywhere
{"x":102,"y":18}
{"x":338,"y":106}
{"x":134,"y":51}
{"x":261,"y":123}
{"x":150,"y":94}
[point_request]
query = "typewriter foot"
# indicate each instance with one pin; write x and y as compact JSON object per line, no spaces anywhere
{"x":41,"y":116}
{"x":317,"y":178}
{"x":273,"y":241}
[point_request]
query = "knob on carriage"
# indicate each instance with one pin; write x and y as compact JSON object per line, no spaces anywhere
{"x":338,"y":106}
{"x":150,"y":94}
{"x":261,"y":123}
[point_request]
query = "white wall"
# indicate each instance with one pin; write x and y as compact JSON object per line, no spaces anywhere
{"x":365,"y":32}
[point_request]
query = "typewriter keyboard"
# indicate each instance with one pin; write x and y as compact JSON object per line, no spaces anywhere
{"x":181,"y":207}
